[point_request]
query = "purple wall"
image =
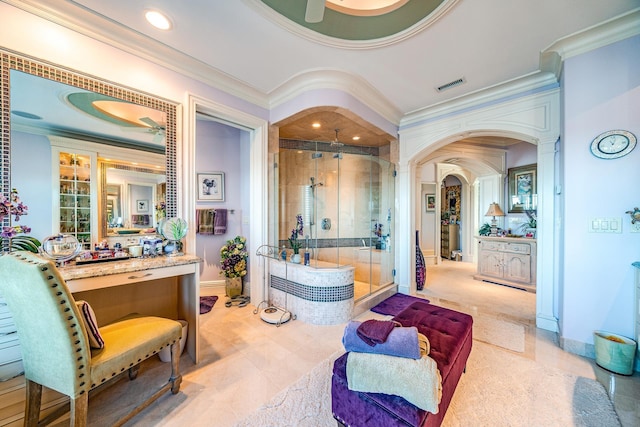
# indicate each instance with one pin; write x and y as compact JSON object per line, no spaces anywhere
{"x":601,"y":92}
{"x":222,"y":148}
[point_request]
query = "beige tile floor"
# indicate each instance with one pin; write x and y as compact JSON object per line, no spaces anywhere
{"x":245,"y":361}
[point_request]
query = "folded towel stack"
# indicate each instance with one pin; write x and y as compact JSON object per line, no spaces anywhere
{"x":387,"y":358}
{"x":401,"y":342}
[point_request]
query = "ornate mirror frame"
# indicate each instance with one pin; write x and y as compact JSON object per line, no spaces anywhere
{"x":13,"y":61}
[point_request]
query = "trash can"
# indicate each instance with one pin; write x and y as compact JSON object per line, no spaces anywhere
{"x":614,"y":352}
{"x":456,"y":255}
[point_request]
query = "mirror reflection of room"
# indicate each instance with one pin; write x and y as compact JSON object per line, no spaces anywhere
{"x":65,"y":130}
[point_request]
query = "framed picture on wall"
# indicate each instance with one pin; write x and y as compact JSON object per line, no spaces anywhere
{"x":523,"y":194}
{"x":142,"y":206}
{"x":210,"y":186}
{"x":430,"y":202}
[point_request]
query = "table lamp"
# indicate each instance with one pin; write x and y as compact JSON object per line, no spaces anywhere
{"x":494,"y":211}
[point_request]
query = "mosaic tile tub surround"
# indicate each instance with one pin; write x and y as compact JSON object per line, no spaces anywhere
{"x":320,"y":296}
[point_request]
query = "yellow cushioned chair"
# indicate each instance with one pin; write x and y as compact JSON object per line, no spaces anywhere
{"x":55,"y":346}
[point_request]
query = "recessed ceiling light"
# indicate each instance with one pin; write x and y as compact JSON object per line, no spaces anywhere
{"x":315,"y":125}
{"x":356,"y":138}
{"x":158,"y":19}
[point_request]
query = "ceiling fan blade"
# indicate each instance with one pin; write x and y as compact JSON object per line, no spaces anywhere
{"x":315,"y":11}
{"x":151,"y":122}
{"x":158,"y":138}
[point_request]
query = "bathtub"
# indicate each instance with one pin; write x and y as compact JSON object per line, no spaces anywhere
{"x":321,"y":294}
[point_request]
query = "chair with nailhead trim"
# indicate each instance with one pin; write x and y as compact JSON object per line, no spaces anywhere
{"x":55,"y":345}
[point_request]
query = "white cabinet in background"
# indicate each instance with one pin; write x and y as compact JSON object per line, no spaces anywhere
{"x":508,"y":261}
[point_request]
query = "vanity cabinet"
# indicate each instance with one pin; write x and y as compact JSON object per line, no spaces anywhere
{"x":449,"y":239}
{"x":507,"y":261}
{"x":74,"y":194}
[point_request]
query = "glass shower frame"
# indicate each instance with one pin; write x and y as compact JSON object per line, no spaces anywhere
{"x":345,"y":195}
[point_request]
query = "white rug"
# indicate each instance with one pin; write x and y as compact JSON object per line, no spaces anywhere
{"x":499,"y":332}
{"x":499,"y":389}
{"x":306,"y":403}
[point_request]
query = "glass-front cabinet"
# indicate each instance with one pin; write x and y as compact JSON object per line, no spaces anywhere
{"x":74,"y":189}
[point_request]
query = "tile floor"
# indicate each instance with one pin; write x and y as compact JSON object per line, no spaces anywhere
{"x":245,"y":361}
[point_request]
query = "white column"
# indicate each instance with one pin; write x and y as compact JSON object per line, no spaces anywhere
{"x":546,"y":267}
{"x":405,"y":217}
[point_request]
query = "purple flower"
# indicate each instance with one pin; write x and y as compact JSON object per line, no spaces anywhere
{"x":8,"y":232}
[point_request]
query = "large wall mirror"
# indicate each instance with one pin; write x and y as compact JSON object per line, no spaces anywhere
{"x":94,"y":136}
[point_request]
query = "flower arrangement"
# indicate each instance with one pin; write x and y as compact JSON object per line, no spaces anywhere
{"x":161,"y":211}
{"x":233,"y":257}
{"x":12,"y":206}
{"x":295,"y":234}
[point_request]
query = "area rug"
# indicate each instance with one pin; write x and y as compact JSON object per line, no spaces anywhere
{"x":499,"y":388}
{"x":499,"y":332}
{"x":396,"y":303}
{"x":207,"y":303}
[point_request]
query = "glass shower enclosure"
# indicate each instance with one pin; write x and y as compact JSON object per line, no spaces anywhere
{"x":345,"y":195}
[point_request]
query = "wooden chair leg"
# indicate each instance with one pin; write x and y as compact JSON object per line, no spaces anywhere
{"x":176,"y":378}
{"x":32,"y":406}
{"x":133,"y":372}
{"x":79,"y":410}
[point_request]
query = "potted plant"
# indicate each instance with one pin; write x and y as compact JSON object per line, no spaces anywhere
{"x":233,"y":258}
{"x":13,"y":207}
{"x":529,"y":227}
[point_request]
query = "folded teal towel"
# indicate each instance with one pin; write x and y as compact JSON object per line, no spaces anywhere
{"x":401,"y":342}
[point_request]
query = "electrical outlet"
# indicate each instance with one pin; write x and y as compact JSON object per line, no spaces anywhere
{"x":635,"y":228}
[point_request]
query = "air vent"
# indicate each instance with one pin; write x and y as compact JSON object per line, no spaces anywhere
{"x":451,"y":84}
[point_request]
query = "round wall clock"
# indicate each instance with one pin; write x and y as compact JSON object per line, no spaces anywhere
{"x":613,"y":144}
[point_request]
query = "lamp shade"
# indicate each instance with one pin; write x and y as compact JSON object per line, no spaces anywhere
{"x":494,"y":210}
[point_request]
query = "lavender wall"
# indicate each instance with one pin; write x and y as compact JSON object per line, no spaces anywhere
{"x":222,"y":148}
{"x":601,"y":92}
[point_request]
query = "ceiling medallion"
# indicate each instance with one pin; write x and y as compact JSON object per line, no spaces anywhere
{"x":365,"y":8}
{"x":360,"y":27}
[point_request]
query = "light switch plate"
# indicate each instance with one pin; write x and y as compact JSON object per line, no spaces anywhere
{"x":605,"y":225}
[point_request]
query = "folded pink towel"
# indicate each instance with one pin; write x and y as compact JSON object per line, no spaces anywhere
{"x":374,"y":331}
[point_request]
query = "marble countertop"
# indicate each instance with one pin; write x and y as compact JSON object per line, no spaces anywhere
{"x":71,"y":272}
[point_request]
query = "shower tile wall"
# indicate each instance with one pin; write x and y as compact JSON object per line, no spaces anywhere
{"x":344,"y":199}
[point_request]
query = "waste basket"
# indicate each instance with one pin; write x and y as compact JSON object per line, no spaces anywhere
{"x":614,"y":352}
{"x":456,"y":255}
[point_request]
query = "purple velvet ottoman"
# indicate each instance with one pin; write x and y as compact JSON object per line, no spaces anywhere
{"x":449,"y":334}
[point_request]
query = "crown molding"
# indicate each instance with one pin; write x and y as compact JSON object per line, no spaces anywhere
{"x":322,"y":39}
{"x":608,"y":32}
{"x":525,"y":84}
{"x":339,"y":80}
{"x":84,"y":21}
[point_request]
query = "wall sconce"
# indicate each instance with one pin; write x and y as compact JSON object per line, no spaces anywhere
{"x":494,"y":211}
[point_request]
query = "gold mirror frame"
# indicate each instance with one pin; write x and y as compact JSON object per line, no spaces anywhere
{"x":13,"y":61}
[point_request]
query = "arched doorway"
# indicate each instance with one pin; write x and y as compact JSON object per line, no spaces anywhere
{"x":535,"y":123}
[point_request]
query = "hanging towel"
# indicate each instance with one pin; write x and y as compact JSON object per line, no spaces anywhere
{"x":220,"y":221}
{"x":204,"y":221}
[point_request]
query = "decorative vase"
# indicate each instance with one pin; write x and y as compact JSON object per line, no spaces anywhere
{"x":421,"y":268}
{"x":295,"y":258}
{"x":233,"y":286}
